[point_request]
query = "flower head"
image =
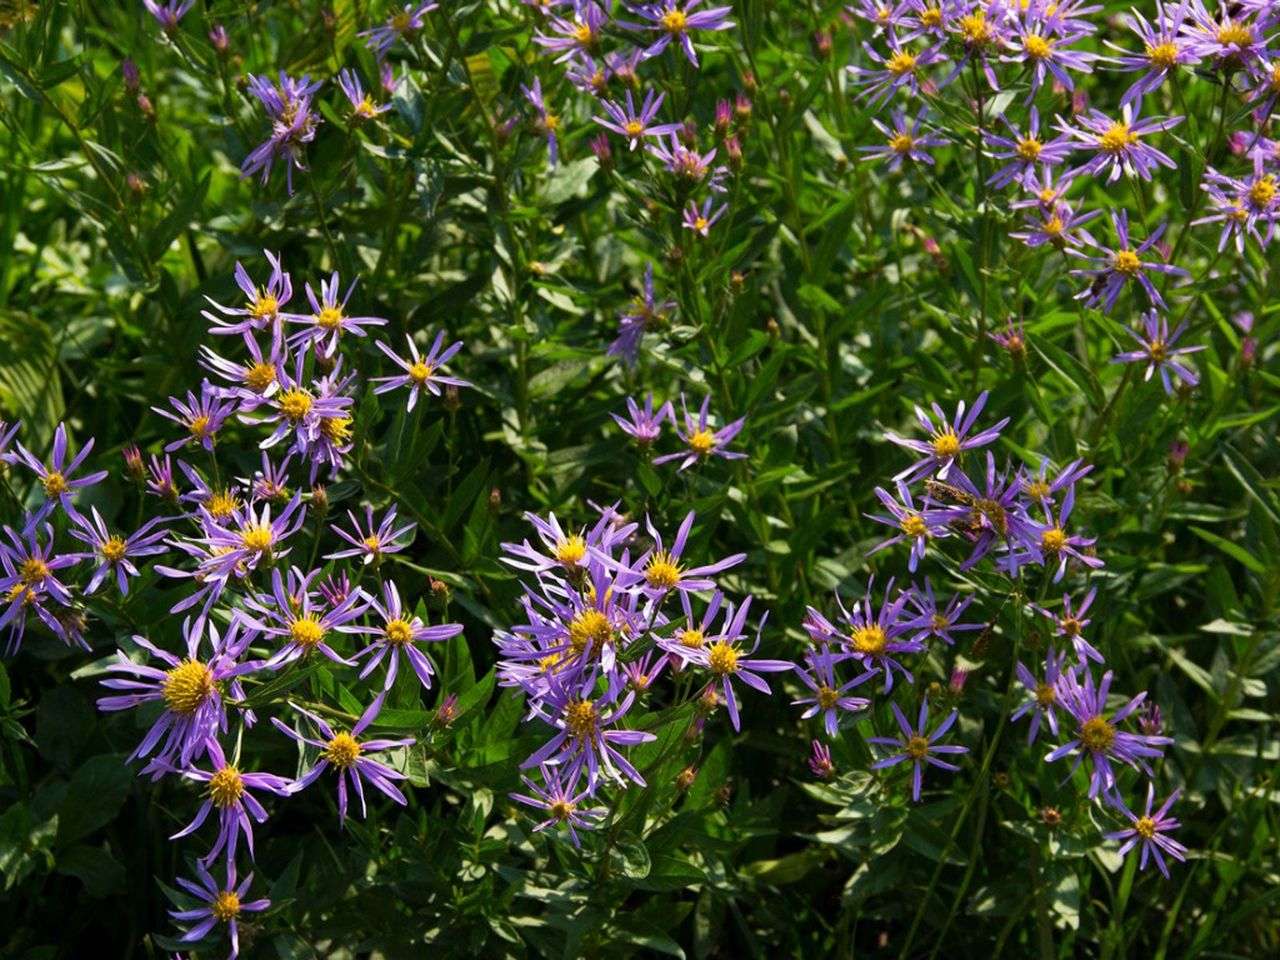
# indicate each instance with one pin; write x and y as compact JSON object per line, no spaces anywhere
{"x":1158,"y":352}
{"x":918,"y":746}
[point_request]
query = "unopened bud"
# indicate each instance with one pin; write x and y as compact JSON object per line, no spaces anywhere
{"x":439,"y":593}
{"x":822,"y":45}
{"x":685,"y":779}
{"x":1050,"y":816}
{"x":145,"y":108}
{"x":447,"y":712}
{"x":733,"y":153}
{"x":133,"y":462}
{"x":132,"y":80}
{"x":495,"y":498}
{"x":318,"y":505}
{"x":1177,"y":456}
{"x":603,"y":151}
{"x":452,"y":398}
{"x":218,"y":37}
{"x":136,"y":186}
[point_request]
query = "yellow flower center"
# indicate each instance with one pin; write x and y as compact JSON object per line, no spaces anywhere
{"x":1037,"y":491}
{"x":1046,"y":696}
{"x":55,"y":484}
{"x":827,"y":698}
{"x":1048,"y":195}
{"x":1029,"y":149}
{"x":571,"y":550}
{"x":306,"y":631}
{"x":1037,"y":47}
{"x":225,"y":907}
{"x":1116,"y":139}
{"x":722,"y":658}
{"x":1070,"y":626}
{"x":692,"y":639}
{"x":561,"y":810}
{"x":342,"y":751}
{"x":330,"y":318}
{"x":589,"y":631}
{"x":113,"y":550}
{"x":580,"y":717}
{"x":257,"y":537}
{"x":1162,"y":56}
{"x":673,"y":21}
{"x":946,"y":444}
{"x":1263,"y":191}
{"x":974,"y":29}
{"x":365,"y":110}
{"x":662,"y":572}
{"x":931,"y":17}
{"x":199,"y":427}
{"x":222,"y":504}
{"x":259,"y":376}
{"x":186,"y":687}
{"x":702,"y":442}
{"x":1097,"y":735}
{"x":1157,"y":352}
{"x":263,"y":306}
{"x":1235,"y":35}
{"x":1053,"y":227}
{"x":869,"y":640}
{"x":900,"y":63}
{"x":917,"y":748}
{"x":550,"y":122}
{"x":1052,"y":541}
{"x":226,"y":787}
{"x":939,"y":622}
{"x":337,"y":430}
{"x":700,"y":224}
{"x":33,"y":571}
{"x":901,"y":143}
{"x":634,"y":128}
{"x":295,"y":404}
{"x":1128,"y":263}
{"x":1145,"y":827}
{"x":398,"y":632}
{"x":372,"y":543}
{"x":582,"y":34}
{"x":420,"y":373}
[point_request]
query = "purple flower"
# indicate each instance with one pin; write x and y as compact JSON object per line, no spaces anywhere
{"x":168,"y":14}
{"x":1055,"y":544}
{"x":645,"y":314}
{"x":262,"y":310}
{"x":1164,"y":50}
{"x":350,"y":758}
{"x":902,"y":68}
{"x":1158,"y":351}
{"x":820,"y":762}
{"x":548,"y":123}
{"x":828,"y":695}
{"x":32,"y":566}
{"x":1242,"y":204}
{"x":702,"y":443}
{"x":660,"y":569}
{"x":872,"y":637}
{"x":673,"y":19}
{"x":560,"y":802}
{"x":327,"y":322}
{"x":362,"y":106}
{"x":1149,"y":830}
{"x":1024,"y":151}
{"x":254,"y":380}
{"x":249,"y":536}
{"x":55,"y":476}
{"x":397,"y":634}
{"x":948,"y":440}
{"x":222,"y":905}
{"x":903,"y":140}
{"x":917,"y":525}
{"x":1039,"y":42}
{"x":1117,"y":143}
{"x":294,"y":617}
{"x":645,"y":425}
{"x":1044,"y":694}
{"x":636,"y":125}
{"x":577,"y":37}
{"x":701,"y":221}
{"x":422,"y":371}
{"x":228,"y":792}
{"x":933,"y":621}
{"x":1099,"y":738}
{"x":685,"y":162}
{"x":1071,"y":623}
{"x":1117,"y":267}
{"x":585,"y":739}
{"x":401,"y":24}
{"x":114,"y":552}
{"x":1059,"y":225}
{"x":1230,"y":41}
{"x":918,"y":746}
{"x":378,"y":542}
{"x":293,"y":124}
{"x":202,"y":417}
{"x":567,"y":551}
{"x":1039,"y":489}
{"x":303,"y":410}
{"x":190,"y":690}
{"x":271,"y":482}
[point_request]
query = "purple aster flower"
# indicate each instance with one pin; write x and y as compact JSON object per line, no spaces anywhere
{"x":672,"y":20}
{"x":421,"y":371}
{"x":636,"y":125}
{"x":227,"y":790}
{"x":996,"y":514}
{"x":1023,"y":151}
{"x":327,"y":322}
{"x":292,"y":615}
{"x":589,"y":77}
{"x":587,"y":738}
{"x":932,"y":621}
{"x":641,"y":673}
{"x":701,"y":221}
{"x":902,"y":68}
{"x":362,"y":106}
{"x":1039,"y":42}
{"x":645,"y":425}
{"x":350,"y":758}
{"x":270,"y":482}
{"x":1117,"y":144}
{"x":263,"y":306}
{"x":548,"y":123}
{"x":888,"y":18}
{"x":568,"y":551}
{"x":682,"y":161}
{"x":560,"y":802}
{"x":725,"y":660}
{"x":1070,"y":623}
{"x":378,"y":542}
{"x":820,"y":762}
{"x":915,"y":524}
{"x":873,"y":637}
{"x":55,"y":476}
{"x":903,"y":141}
{"x":1044,"y":694}
{"x":1229,"y":36}
{"x":201,"y":416}
{"x":248,"y":537}
{"x":1266,"y":89}
{"x":1164,"y":50}
{"x":1099,"y":738}
{"x":221,"y":905}
{"x":1117,"y":267}
{"x":948,"y":440}
{"x":190,"y":690}
{"x":918,"y":746}
{"x":1060,"y":226}
{"x":160,"y":481}
{"x":702,"y":443}
{"x":577,"y":37}
{"x":1055,"y":544}
{"x":983,"y":29}
{"x":114,"y":553}
{"x":645,"y":314}
{"x":1149,"y":830}
{"x":253,"y":380}
{"x":1243,"y":204}
{"x":402,"y":23}
{"x":293,"y":124}
{"x":333,"y":436}
{"x":828,"y":696}
{"x":397,"y":634}
{"x":1158,"y":351}
{"x":168,"y":14}
{"x":30,"y":565}
{"x":1039,"y":489}
{"x":301,"y":409}
{"x":660,"y":571}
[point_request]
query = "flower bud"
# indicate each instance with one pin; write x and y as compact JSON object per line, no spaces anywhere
{"x":133,"y":462}
{"x":136,"y":186}
{"x":685,"y":778}
{"x":724,"y":118}
{"x":603,"y":151}
{"x":452,"y":398}
{"x":439,"y":593}
{"x":221,"y":42}
{"x":145,"y":108}
{"x":822,"y":45}
{"x":1177,"y":456}
{"x":1050,"y":816}
{"x":447,"y":712}
{"x":132,"y":80}
{"x":318,"y":505}
{"x":733,"y":154}
{"x":495,"y":499}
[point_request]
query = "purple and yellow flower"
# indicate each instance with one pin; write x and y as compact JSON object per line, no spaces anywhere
{"x":201,"y":416}
{"x":222,"y":904}
{"x":1023,"y":150}
{"x":248,"y":537}
{"x":559,"y":800}
{"x":328,"y":322}
{"x":903,"y":140}
{"x":1044,"y":694}
{"x":1115,"y":268}
{"x":293,"y":124}
{"x":948,"y":441}
{"x":901,"y":68}
{"x":918,"y":525}
{"x":701,"y":441}
{"x":1158,"y":351}
{"x":1039,"y":42}
{"x":349,"y":757}
{"x":303,"y":410}
{"x":168,"y":14}
{"x":645,"y":314}
{"x":932,"y":621}
{"x":548,"y":122}
{"x":645,"y":425}
{"x":700,"y":221}
{"x":293,"y":616}
{"x":380,"y":540}
{"x":1230,"y":36}
{"x":421,"y":371}
{"x":400,"y":24}
{"x":672,"y":20}
{"x":577,"y":37}
{"x":1149,"y":830}
{"x":659,"y":570}
{"x":827,"y":695}
{"x":55,"y":476}
{"x":1060,"y":226}
{"x":362,"y":106}
{"x":635,"y":124}
{"x":263,"y":307}
{"x":1164,"y":50}
{"x":1117,"y":144}
{"x":918,"y":746}
{"x":396,"y":635}
{"x":820,"y":761}
{"x":113,"y":552}
{"x":1243,"y":204}
{"x":1070,"y":623}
